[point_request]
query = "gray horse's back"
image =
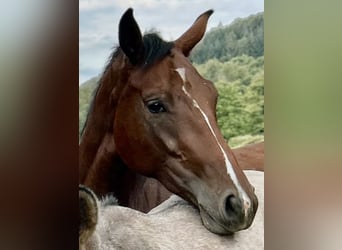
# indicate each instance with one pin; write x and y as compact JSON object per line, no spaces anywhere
{"x":174,"y":224}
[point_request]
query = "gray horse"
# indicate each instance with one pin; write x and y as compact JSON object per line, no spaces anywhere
{"x":174,"y":224}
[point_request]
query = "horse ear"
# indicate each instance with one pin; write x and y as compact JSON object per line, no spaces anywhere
{"x":130,"y":38}
{"x":88,"y":214}
{"x":194,"y":34}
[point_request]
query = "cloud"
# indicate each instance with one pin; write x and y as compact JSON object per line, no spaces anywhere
{"x":99,"y":21}
{"x":93,"y":5}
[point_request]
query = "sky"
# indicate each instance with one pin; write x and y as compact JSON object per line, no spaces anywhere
{"x":99,"y":19}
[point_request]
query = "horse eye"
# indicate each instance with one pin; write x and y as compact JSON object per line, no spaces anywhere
{"x":156,"y":106}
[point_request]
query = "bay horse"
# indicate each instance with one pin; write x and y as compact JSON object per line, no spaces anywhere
{"x":174,"y":224}
{"x":251,"y":156}
{"x":153,"y":120}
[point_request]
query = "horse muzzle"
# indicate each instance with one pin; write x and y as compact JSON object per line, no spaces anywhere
{"x":233,"y":214}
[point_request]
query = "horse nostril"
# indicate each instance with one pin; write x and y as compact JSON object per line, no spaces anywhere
{"x":232,"y":206}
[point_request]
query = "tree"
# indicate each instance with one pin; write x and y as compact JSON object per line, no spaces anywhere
{"x":243,"y":36}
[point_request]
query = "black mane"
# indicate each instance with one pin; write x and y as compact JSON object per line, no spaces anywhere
{"x":155,"y":48}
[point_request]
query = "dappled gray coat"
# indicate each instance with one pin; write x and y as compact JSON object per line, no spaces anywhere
{"x":174,"y":224}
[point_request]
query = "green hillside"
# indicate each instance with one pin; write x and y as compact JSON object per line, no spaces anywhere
{"x":240,"y":82}
{"x":243,"y":36}
{"x":235,"y":63}
{"x":85,"y":95}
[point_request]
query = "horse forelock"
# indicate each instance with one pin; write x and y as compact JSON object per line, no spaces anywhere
{"x":155,"y":48}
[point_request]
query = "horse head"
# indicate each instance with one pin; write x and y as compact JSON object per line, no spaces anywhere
{"x":165,"y":127}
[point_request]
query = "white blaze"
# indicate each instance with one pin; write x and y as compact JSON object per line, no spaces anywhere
{"x":230,"y":169}
{"x":181,"y":72}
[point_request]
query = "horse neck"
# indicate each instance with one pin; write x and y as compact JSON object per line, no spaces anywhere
{"x":97,"y":126}
{"x":100,"y":166}
{"x":97,"y":152}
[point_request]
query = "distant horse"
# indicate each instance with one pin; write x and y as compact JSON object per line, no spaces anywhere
{"x":153,"y":115}
{"x":251,"y":156}
{"x":175,"y":224}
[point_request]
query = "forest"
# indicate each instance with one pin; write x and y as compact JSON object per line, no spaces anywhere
{"x":242,"y":36}
{"x":232,"y":57}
